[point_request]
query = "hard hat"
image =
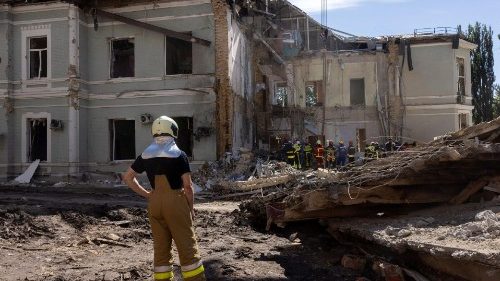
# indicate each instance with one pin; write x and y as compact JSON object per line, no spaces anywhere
{"x":318,"y":142}
{"x":165,"y":125}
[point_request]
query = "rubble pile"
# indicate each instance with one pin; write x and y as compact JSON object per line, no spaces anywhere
{"x":19,"y":225}
{"x":242,"y":174}
{"x":485,"y":226}
{"x":449,"y":170}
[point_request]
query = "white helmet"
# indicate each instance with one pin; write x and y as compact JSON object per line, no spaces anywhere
{"x":165,"y":125}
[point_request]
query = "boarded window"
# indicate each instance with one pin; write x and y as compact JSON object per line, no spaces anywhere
{"x":463,"y":120}
{"x":178,"y":56}
{"x":314,"y":93}
{"x":122,"y":58}
{"x":37,"y":57}
{"x":358,"y":92}
{"x":122,"y":134}
{"x":185,"y":138}
{"x":461,"y":77}
{"x":281,"y":95}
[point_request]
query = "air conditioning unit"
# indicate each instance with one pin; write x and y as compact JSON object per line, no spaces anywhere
{"x":56,"y":124}
{"x":146,"y":118}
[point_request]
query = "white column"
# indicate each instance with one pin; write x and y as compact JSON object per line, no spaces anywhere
{"x":73,"y":89}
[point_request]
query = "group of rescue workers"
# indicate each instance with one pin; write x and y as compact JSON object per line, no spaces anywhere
{"x":304,"y":155}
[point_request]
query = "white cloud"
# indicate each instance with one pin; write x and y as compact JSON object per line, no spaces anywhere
{"x":312,"y":6}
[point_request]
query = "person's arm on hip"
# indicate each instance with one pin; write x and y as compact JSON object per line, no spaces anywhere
{"x":131,"y":181}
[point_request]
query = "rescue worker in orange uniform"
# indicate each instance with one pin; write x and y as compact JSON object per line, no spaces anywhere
{"x":319,"y":153}
{"x":170,"y":203}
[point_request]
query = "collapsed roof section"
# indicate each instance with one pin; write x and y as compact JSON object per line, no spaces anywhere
{"x":288,"y":31}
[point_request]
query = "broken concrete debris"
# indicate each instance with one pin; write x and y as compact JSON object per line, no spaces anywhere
{"x":28,"y":174}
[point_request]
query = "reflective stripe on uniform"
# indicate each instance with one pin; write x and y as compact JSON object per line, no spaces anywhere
{"x":163,"y":275}
{"x":191,"y":266}
{"x":192,"y":269}
{"x":163,"y":268}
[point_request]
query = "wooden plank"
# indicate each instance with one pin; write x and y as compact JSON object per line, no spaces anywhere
{"x":470,"y":189}
{"x":256,"y":183}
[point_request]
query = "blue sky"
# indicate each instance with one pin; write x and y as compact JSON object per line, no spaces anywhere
{"x":392,"y":17}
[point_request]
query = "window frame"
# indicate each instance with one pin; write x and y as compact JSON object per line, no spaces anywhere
{"x":463,"y":92}
{"x":165,"y":38}
{"x":39,"y":51}
{"x":275,"y":97}
{"x":110,"y":53}
{"x":26,"y":34}
{"x":364,"y":92}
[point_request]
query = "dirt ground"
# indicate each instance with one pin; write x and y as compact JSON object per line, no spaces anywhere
{"x":90,"y":233}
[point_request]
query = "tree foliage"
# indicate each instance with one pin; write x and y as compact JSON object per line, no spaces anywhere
{"x":482,"y":75}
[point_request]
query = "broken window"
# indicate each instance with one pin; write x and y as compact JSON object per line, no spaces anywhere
{"x":122,"y":58}
{"x":357,"y":92}
{"x":178,"y":56}
{"x":37,"y":145}
{"x":463,"y":120}
{"x":185,"y":138}
{"x":281,"y":95}
{"x":314,"y":94}
{"x":122,"y":134}
{"x":37,"y":57}
{"x":461,"y":77}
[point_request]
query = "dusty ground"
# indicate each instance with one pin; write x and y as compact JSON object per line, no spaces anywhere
{"x":86,"y":233}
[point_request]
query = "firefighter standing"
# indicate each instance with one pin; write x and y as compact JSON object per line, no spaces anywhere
{"x":330,"y":155}
{"x":341,"y":154}
{"x":170,"y":203}
{"x":319,"y":153}
{"x":290,"y":153}
{"x":308,"y":151}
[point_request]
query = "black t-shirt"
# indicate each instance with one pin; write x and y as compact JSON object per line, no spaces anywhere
{"x":173,"y":168}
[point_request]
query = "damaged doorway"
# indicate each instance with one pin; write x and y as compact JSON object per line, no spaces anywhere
{"x":37,"y":139}
{"x":122,"y":139}
{"x":185,"y":139}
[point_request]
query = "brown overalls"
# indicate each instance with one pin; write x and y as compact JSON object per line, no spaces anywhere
{"x":170,"y":218}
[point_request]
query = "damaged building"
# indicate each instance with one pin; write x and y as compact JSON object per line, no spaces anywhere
{"x":319,"y":82}
{"x":80,"y":81}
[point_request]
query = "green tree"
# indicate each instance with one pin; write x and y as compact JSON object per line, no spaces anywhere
{"x":482,"y":75}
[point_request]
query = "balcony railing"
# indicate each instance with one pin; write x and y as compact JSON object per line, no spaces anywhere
{"x":436,"y":31}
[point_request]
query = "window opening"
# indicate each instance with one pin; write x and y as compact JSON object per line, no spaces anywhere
{"x":463,"y":120}
{"x":185,"y":138}
{"x":37,"y":57}
{"x":314,"y":93}
{"x":357,"y":92}
{"x":122,"y":58}
{"x":122,"y":139}
{"x":37,"y":135}
{"x":281,"y":95}
{"x":178,"y":56}
{"x":461,"y":77}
